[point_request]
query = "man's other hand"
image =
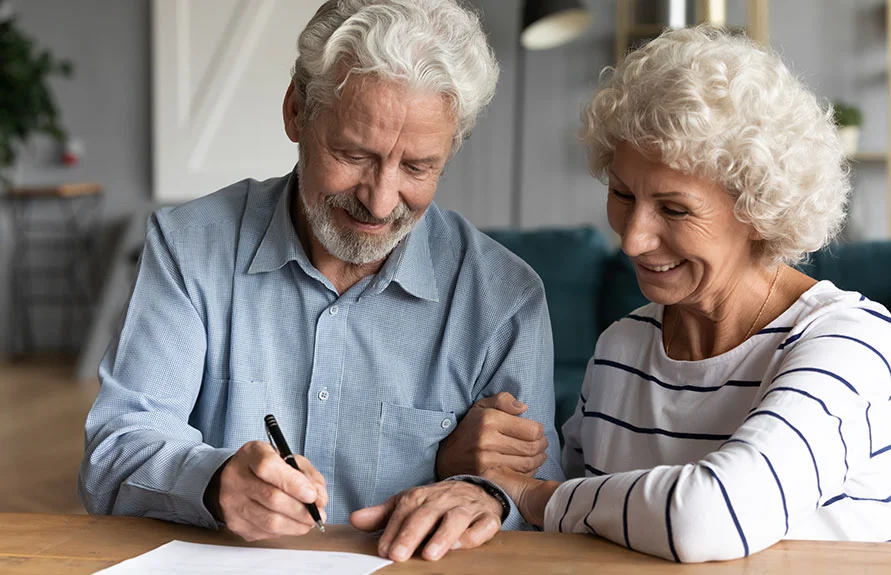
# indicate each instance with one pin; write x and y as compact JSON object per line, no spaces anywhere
{"x":454,"y":514}
{"x":492,"y":435}
{"x":259,"y":496}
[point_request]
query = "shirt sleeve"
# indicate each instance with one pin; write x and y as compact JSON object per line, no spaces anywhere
{"x":520,"y":361}
{"x":141,"y":455}
{"x":791,"y":455}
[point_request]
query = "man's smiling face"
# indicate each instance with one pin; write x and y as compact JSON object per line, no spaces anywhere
{"x":369,"y":166}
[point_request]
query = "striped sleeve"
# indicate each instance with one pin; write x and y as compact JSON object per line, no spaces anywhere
{"x":791,"y":456}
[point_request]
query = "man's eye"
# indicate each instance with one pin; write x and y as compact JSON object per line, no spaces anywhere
{"x":414,"y":168}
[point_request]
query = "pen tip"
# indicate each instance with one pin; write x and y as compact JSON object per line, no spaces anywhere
{"x":321,"y":527}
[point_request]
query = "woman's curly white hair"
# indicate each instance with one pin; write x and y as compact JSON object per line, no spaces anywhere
{"x":718,"y":106}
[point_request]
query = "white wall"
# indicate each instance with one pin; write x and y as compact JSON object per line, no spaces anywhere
{"x":839,"y":50}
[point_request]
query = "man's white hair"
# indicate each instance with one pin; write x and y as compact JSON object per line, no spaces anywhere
{"x":721,"y":107}
{"x":430,"y":45}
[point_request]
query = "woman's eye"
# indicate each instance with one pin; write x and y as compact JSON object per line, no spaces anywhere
{"x":623,"y":196}
{"x":673,"y":212}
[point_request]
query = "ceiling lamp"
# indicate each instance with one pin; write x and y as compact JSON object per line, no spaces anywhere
{"x":551,"y":23}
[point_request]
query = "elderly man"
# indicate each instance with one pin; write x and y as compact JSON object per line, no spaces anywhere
{"x":343,"y":301}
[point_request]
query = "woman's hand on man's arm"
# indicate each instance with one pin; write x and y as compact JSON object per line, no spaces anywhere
{"x":493,"y":435}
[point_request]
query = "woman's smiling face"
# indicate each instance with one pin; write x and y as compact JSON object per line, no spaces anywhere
{"x":679,"y":230}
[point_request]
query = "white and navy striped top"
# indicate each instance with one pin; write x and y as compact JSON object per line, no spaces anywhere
{"x":787,"y":435}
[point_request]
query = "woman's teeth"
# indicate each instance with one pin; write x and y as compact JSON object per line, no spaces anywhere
{"x":664,"y":268}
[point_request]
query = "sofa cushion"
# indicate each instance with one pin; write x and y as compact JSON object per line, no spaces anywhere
{"x":570,"y":262}
{"x":864,"y":267}
{"x":567,"y":386}
{"x":620,"y":294}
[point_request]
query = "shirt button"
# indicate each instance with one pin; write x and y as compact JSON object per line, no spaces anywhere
{"x":333,"y":310}
{"x":323,"y":395}
{"x":446,"y":423}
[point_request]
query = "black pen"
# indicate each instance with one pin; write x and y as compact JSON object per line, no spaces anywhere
{"x":278,"y":440}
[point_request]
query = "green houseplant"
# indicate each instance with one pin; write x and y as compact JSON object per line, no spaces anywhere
{"x":27,"y":106}
{"x":848,"y":119}
{"x":846,"y":114}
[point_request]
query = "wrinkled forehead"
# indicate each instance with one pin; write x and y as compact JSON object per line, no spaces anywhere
{"x":352,"y":83}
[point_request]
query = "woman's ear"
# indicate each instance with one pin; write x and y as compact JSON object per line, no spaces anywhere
{"x":754,"y":235}
{"x":291,"y":114}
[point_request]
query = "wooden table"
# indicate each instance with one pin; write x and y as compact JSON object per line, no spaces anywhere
{"x":65,"y":544}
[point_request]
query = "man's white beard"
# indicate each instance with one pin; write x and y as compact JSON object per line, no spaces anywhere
{"x":348,"y":244}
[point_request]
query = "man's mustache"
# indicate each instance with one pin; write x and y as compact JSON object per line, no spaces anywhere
{"x":356,"y":209}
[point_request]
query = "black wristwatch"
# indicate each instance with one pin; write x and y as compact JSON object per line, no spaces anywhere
{"x":493,"y":491}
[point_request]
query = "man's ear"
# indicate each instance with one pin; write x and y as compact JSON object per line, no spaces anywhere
{"x":291,"y":114}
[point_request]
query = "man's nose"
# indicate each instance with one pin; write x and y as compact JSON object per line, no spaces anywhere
{"x":641,"y":233}
{"x":383,"y":192}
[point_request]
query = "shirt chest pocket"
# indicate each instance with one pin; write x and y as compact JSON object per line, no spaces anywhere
{"x":409,"y":441}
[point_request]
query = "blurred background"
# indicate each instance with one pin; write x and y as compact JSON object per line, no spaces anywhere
{"x":111,"y":108}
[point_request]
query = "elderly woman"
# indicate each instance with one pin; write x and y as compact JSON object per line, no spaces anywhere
{"x":747,"y":403}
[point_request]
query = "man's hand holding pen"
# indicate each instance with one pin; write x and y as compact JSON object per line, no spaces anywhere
{"x":259,"y":496}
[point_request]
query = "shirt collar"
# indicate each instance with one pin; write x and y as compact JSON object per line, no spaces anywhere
{"x":409,"y":265}
{"x":280,"y":243}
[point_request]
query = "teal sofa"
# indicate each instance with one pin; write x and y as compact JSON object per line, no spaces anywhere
{"x":589,"y":286}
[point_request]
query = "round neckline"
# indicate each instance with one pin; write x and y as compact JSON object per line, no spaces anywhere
{"x":744,"y":346}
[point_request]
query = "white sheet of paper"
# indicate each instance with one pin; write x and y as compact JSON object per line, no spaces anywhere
{"x":179,"y":557}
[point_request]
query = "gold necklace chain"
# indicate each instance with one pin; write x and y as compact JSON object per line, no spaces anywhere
{"x":773,"y":284}
{"x":674,"y":328}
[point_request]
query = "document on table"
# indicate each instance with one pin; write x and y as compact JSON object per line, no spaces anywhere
{"x":179,"y":557}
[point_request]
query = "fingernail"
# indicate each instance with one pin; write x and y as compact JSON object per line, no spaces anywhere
{"x":433,"y":550}
{"x":307,"y":495}
{"x":518,"y":404}
{"x":456,"y":545}
{"x":400,"y":553}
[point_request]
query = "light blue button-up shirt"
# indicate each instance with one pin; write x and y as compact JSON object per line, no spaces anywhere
{"x":229,"y":321}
